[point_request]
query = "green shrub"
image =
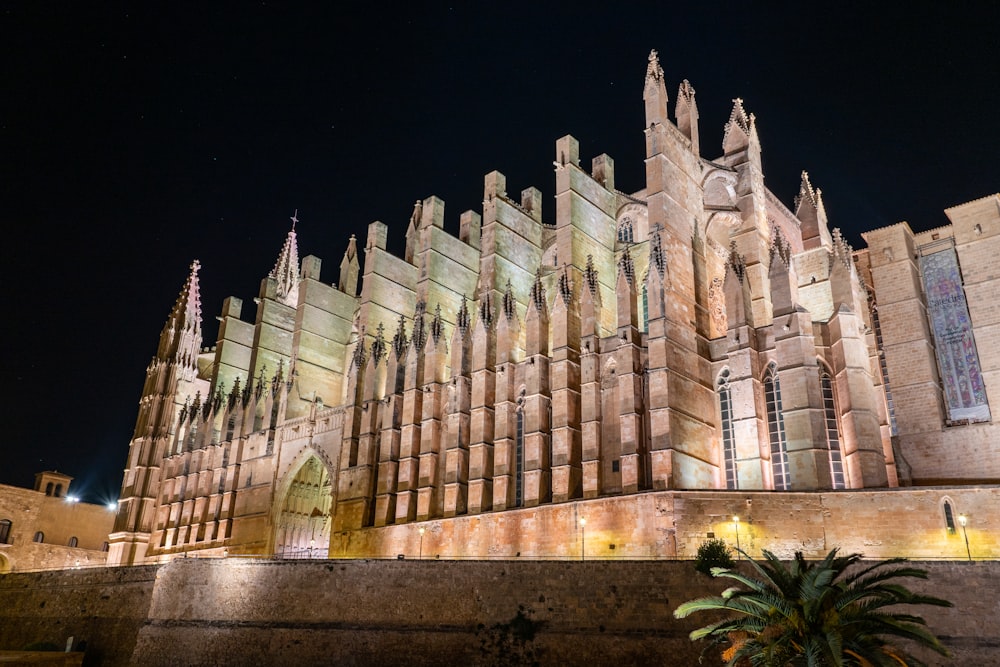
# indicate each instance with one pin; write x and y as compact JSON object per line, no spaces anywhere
{"x":713,"y":553}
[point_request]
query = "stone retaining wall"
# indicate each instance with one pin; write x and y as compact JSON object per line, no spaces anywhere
{"x":428,"y":612}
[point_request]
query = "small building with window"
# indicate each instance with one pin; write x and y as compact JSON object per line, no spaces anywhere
{"x":47,"y":527}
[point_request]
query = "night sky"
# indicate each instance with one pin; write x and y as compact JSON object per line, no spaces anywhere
{"x":134,"y":139}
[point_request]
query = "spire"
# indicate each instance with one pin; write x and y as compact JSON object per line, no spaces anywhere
{"x":181,"y":335}
{"x":486,"y":308}
{"x":399,"y":340}
{"x":738,"y":128}
{"x":412,"y":230}
{"x":811,"y":213}
{"x":686,"y":112}
{"x":379,"y":347}
{"x":538,"y":292}
{"x":565,"y":285}
{"x":349,"y":268}
{"x":654,"y":93}
{"x":462,"y":318}
{"x":286,"y":269}
{"x":590,"y":276}
{"x":437,"y":325}
{"x":509,"y":304}
{"x":627,"y":266}
{"x":419,"y":331}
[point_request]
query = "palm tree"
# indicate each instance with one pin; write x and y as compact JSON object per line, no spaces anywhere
{"x":817,"y":614}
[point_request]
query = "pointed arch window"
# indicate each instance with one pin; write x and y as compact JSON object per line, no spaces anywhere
{"x":519,"y":456}
{"x":728,"y":433}
{"x":832,"y":430}
{"x":949,"y":516}
{"x":645,"y":307}
{"x":625,"y":233}
{"x":776,"y":429}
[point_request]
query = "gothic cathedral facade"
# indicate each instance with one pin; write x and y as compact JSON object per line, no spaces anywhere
{"x":695,"y":335}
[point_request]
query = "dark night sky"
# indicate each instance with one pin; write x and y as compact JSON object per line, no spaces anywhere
{"x":134,"y":139}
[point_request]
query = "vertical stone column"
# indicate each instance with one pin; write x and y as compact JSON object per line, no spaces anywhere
{"x":429,"y":469}
{"x":565,"y":382}
{"x":456,"y":478}
{"x":749,"y":429}
{"x":504,"y":462}
{"x":798,"y":374}
{"x":483,"y":397}
{"x":389,"y":445}
{"x":409,"y":443}
{"x":657,"y":350}
{"x":629,"y":364}
{"x":537,"y":400}
{"x":590,"y":383}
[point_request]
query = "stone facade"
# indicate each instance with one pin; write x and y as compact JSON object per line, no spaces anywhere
{"x":694,"y":335}
{"x":48,"y":528}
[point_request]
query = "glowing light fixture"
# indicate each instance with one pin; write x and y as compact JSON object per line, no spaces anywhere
{"x":583,"y":538}
{"x":421,"y":554}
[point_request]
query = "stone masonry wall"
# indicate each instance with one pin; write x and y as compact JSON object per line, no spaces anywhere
{"x":429,"y":612}
{"x":104,"y":607}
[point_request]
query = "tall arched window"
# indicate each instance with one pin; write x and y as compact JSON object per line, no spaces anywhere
{"x":726,"y":424}
{"x":5,"y":525}
{"x":73,"y":542}
{"x":39,"y":537}
{"x":645,"y":307}
{"x":949,"y":516}
{"x":832,"y":430}
{"x":776,"y":429}
{"x":519,"y":456}
{"x":625,"y":230}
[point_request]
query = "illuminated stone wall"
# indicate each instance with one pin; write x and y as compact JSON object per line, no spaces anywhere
{"x":935,"y":450}
{"x":59,"y":521}
{"x":902,"y":522}
{"x":237,"y":612}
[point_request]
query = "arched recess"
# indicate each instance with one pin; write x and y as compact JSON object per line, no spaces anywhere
{"x":712,"y":276}
{"x":5,"y":564}
{"x":302,"y":517}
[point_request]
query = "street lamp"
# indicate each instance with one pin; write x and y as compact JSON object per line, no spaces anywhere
{"x":421,"y":543}
{"x":962,"y":519}
{"x":736,"y":523}
{"x":583,"y":538}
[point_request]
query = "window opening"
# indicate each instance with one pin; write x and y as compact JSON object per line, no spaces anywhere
{"x":832,"y":432}
{"x":728,"y":434}
{"x":776,"y":430}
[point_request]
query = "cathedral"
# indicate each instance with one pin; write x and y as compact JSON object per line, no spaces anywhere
{"x":592,"y":378}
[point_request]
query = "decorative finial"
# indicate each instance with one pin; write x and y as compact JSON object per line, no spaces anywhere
{"x":509,"y":304}
{"x":737,"y":262}
{"x":295,"y":219}
{"x":590,"y":275}
{"x":653,"y":69}
{"x":627,"y":266}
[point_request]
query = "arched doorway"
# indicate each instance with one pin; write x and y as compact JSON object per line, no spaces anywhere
{"x":303,"y":526}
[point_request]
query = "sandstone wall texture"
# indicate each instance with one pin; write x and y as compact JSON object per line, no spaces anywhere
{"x":429,"y":612}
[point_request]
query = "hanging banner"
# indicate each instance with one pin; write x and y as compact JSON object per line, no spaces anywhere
{"x":957,"y":358}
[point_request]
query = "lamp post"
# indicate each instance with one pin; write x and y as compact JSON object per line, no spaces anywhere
{"x":962,"y":519}
{"x":736,"y":523}
{"x":583,"y":538}
{"x":420,"y":557}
